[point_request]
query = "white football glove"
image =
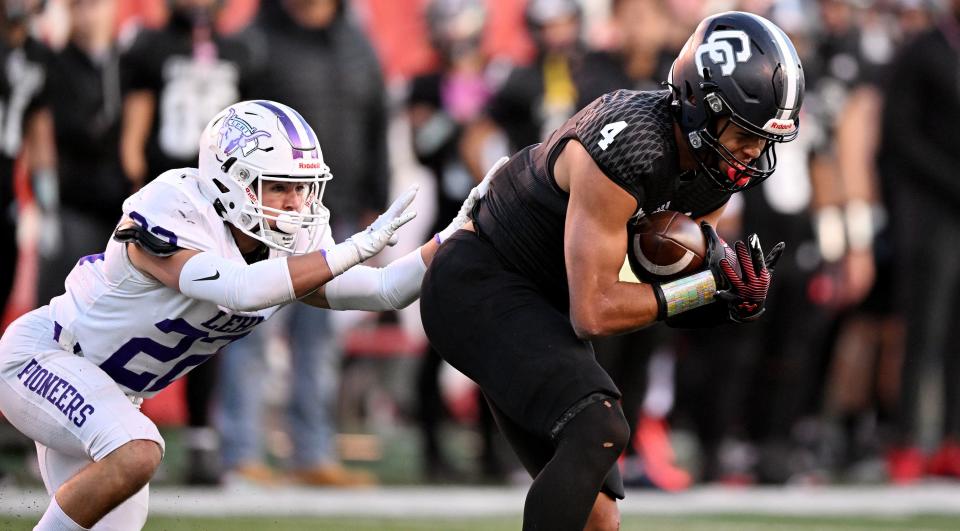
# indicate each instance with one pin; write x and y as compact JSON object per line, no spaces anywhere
{"x":373,"y":239}
{"x":478,"y":191}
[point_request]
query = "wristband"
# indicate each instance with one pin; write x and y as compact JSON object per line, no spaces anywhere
{"x":342,"y":256}
{"x":684,"y":294}
{"x":829,"y":227}
{"x":860,"y":227}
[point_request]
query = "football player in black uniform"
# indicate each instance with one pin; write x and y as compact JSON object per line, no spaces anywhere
{"x":513,"y":301}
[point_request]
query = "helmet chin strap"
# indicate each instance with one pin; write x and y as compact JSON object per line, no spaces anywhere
{"x":706,"y":158}
{"x":705,"y":148}
{"x":279,"y":237}
{"x":709,"y":160}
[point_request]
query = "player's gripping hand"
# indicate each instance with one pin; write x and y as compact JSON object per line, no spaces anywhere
{"x":373,"y":239}
{"x":478,"y":191}
{"x":743,"y":275}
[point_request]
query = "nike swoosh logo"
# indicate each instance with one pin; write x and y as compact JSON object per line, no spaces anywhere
{"x":211,"y":277}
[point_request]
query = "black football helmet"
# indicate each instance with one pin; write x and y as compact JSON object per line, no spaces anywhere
{"x":743,"y":67}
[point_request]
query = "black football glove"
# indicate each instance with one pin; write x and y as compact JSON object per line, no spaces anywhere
{"x":743,"y":276}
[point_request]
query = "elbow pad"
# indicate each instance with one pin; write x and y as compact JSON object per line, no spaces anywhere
{"x":235,"y":285}
{"x":378,"y":289}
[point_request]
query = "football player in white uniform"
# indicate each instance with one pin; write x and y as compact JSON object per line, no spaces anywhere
{"x":199,"y":258}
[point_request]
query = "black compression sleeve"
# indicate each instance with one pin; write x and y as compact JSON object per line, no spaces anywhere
{"x":588,"y":445}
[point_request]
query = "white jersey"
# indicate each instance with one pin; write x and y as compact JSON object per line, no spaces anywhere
{"x":139,"y":331}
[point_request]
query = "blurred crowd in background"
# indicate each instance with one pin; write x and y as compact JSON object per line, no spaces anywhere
{"x":851,"y":376}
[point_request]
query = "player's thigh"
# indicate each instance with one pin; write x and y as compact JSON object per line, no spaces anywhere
{"x":534,"y":451}
{"x":497,"y":328}
{"x":61,"y":400}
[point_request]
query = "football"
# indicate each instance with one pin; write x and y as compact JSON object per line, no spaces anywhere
{"x":664,"y":246}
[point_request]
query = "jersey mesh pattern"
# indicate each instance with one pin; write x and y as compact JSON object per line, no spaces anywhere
{"x":642,"y":157}
{"x":642,"y":149}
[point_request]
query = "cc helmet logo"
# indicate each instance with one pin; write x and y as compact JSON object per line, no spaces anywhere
{"x":719,"y":46}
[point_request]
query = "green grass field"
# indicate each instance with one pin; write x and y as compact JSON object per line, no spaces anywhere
{"x":631,"y":523}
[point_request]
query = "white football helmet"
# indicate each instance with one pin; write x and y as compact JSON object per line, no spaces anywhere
{"x":250,"y":145}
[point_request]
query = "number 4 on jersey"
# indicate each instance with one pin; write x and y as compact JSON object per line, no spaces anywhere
{"x":609,"y":132}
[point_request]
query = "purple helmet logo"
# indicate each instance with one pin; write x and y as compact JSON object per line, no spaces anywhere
{"x":236,"y":133}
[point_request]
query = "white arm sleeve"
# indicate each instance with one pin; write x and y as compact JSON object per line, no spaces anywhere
{"x":240,"y":287}
{"x":378,"y":289}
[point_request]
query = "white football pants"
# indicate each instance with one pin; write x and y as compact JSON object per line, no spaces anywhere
{"x":73,"y":410}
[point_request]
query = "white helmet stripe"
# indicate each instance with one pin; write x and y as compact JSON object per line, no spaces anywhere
{"x":791,"y":68}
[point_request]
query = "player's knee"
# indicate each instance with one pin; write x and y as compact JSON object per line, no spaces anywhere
{"x":615,"y":429}
{"x":148,"y":460}
{"x":601,"y":429}
{"x":138,"y":459}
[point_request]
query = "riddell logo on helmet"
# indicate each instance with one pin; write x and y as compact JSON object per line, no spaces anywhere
{"x":311,"y":165}
{"x":251,"y":196}
{"x":779,"y":126}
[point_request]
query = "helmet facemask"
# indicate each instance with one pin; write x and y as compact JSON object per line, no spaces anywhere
{"x":278,"y":228}
{"x":708,"y":150}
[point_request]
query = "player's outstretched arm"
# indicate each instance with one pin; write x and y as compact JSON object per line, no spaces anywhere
{"x":248,"y":287}
{"x":397,"y":285}
{"x":370,"y":241}
{"x":238,"y":286}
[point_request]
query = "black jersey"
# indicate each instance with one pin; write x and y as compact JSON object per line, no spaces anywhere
{"x":630,"y":136}
{"x":85,"y":100}
{"x":23,"y":90}
{"x":190,"y":86}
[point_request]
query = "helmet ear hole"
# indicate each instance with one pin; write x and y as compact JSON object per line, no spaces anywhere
{"x":220,"y":186}
{"x":714,"y":103}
